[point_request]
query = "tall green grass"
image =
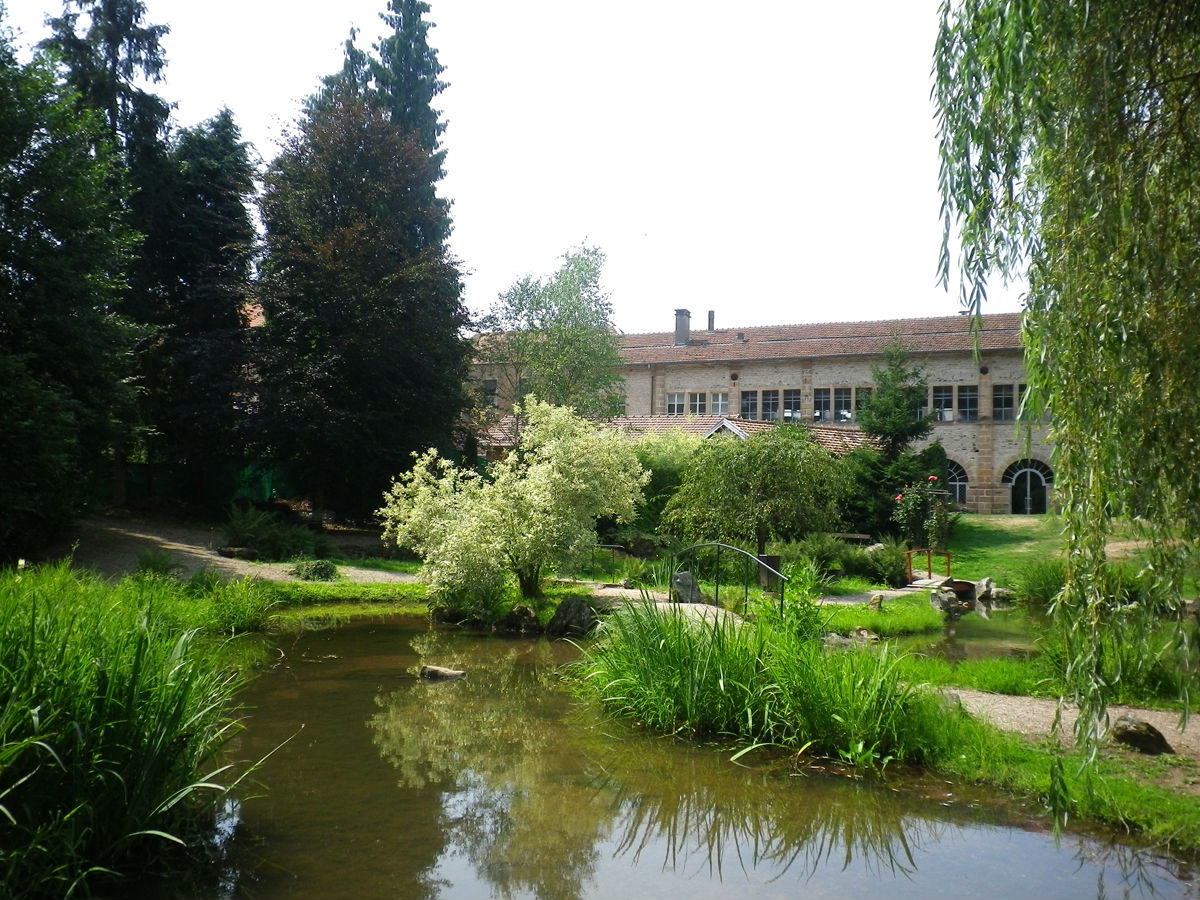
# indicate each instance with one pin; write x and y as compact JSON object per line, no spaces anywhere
{"x":770,"y":681}
{"x":110,"y":727}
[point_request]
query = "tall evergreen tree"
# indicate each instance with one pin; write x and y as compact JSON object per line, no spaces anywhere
{"x":63,"y":249}
{"x":209,"y":239}
{"x":892,"y":413}
{"x":362,"y":359}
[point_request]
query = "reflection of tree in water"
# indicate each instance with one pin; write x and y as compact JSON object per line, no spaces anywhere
{"x":533,"y":790}
{"x":1137,"y":872}
{"x":495,"y":738}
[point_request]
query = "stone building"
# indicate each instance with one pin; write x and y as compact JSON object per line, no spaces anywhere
{"x":821,"y":374}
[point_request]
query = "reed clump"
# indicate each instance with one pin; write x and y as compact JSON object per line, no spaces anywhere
{"x":110,"y":726}
{"x":771,"y":680}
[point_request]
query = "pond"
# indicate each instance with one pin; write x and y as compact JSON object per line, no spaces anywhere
{"x":501,"y":784}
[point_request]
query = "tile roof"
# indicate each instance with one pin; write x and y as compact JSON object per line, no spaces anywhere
{"x":998,"y":331}
{"x":836,"y":439}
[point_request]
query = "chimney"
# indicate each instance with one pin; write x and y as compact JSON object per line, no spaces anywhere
{"x":712,"y":321}
{"x":683,"y":327}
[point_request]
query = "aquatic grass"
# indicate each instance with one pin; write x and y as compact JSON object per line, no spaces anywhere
{"x":758,"y":682}
{"x":897,"y":616}
{"x":109,"y":733}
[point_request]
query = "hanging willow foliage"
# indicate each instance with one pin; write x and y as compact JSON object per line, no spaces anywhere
{"x":1070,"y":153}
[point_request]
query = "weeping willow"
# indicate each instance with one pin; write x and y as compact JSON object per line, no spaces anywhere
{"x":1070,"y":154}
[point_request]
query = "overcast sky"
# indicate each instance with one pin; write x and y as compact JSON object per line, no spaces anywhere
{"x":773,"y":161}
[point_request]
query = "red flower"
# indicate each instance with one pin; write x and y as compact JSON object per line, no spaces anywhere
{"x":932,"y":478}
{"x":899,"y":497}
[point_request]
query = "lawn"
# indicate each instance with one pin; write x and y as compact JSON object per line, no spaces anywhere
{"x":997,"y":547}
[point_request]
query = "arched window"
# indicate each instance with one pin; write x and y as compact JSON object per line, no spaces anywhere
{"x":1031,"y":480}
{"x":957,"y":485}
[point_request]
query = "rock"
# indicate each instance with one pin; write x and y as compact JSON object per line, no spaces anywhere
{"x":1140,"y":735}
{"x":1003,"y":597}
{"x":574,"y":615}
{"x":684,"y":588}
{"x":518,"y":620}
{"x":440,"y":673}
{"x":862,"y":635}
{"x":876,"y":602}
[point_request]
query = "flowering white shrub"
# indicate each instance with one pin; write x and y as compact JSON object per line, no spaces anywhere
{"x":530,"y":512}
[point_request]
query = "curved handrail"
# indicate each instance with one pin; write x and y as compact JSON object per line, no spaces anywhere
{"x":783,"y":579}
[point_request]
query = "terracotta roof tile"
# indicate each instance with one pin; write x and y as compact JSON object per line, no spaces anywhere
{"x":999,"y":331}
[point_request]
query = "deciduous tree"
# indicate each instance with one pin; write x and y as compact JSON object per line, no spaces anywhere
{"x":63,"y":250}
{"x":555,"y":339}
{"x":362,"y":356}
{"x":774,"y":484}
{"x":535,"y":509}
{"x":1071,"y":154}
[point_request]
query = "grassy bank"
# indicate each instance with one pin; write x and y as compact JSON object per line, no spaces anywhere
{"x":114,"y":715}
{"x":771,"y":681}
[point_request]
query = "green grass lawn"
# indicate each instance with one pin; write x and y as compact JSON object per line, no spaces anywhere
{"x":997,"y":547}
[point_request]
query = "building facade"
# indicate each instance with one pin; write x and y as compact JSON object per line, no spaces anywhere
{"x":821,"y":374}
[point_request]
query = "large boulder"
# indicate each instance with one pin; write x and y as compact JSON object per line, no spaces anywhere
{"x":574,"y":616}
{"x":518,"y":620}
{"x":1140,"y":735}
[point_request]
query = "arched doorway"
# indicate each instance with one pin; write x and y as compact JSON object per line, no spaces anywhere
{"x":1030,"y":481}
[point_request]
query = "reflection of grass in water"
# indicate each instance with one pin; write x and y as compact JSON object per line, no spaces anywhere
{"x":765,"y":820}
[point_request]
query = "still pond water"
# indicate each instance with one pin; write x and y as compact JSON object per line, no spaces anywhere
{"x":502,"y":785}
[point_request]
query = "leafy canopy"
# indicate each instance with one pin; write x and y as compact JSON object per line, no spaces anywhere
{"x":776,"y":483}
{"x":1070,"y":150}
{"x":533,"y":510}
{"x":554,"y":339}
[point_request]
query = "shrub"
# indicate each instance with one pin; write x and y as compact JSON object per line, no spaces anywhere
{"x":888,"y":563}
{"x":315,"y":570}
{"x":272,"y":537}
{"x":157,"y":561}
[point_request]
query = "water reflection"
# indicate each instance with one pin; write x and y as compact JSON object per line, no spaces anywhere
{"x":500,"y":785}
{"x":535,"y":808}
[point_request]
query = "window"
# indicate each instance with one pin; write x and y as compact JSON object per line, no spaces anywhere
{"x":675,"y":404}
{"x":720,"y":403}
{"x":957,"y":483}
{"x":791,"y":404}
{"x":943,"y":403}
{"x":749,"y":404}
{"x":821,"y":404}
{"x":968,"y":403}
{"x":770,"y":405}
{"x":487,"y":393}
{"x":861,"y":398}
{"x":842,"y":404}
{"x":1003,"y":402}
{"x":698,"y":404}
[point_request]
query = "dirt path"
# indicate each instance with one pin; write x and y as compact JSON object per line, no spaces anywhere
{"x":111,"y":545}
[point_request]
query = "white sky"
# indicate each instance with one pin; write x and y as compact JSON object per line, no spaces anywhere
{"x":772,"y":160}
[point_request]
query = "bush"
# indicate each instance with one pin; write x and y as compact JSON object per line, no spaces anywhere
{"x":315,"y":570}
{"x":273,"y":538}
{"x":888,"y":563}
